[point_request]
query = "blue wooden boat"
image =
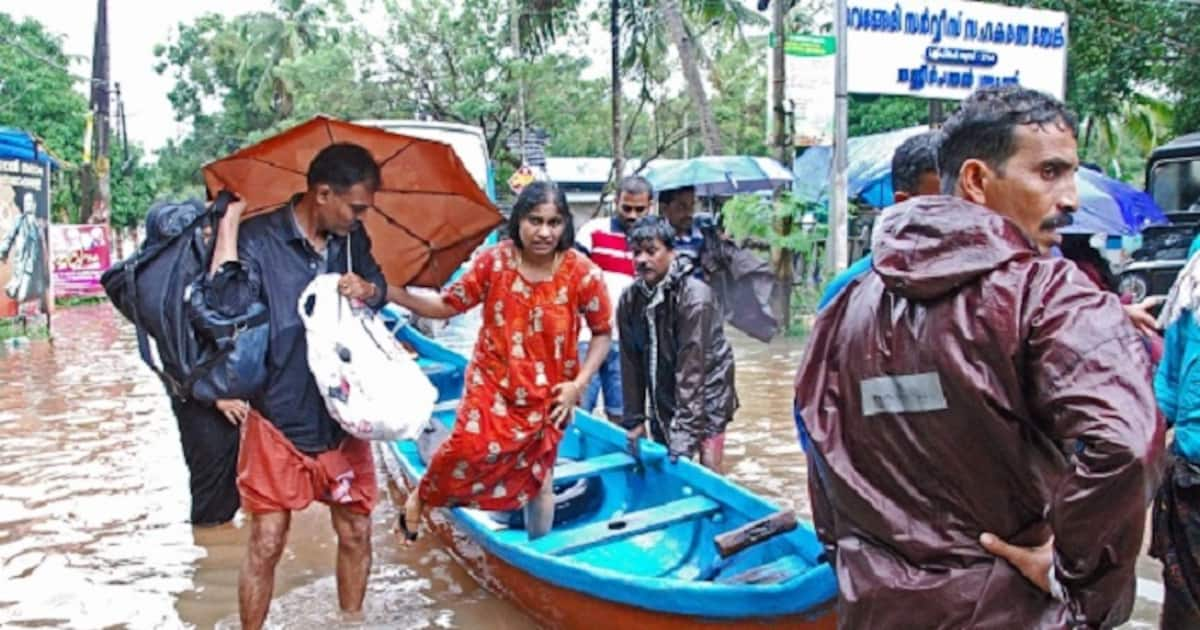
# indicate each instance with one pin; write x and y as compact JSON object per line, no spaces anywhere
{"x":635,"y":549}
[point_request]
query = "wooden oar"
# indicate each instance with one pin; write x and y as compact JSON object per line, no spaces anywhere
{"x":755,"y":532}
{"x":748,"y":535}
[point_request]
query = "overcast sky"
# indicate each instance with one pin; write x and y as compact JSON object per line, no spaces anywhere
{"x":135,"y":27}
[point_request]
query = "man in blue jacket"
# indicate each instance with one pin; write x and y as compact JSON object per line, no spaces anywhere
{"x":1176,"y":524}
{"x":914,"y":173}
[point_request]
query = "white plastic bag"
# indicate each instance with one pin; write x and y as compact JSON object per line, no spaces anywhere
{"x":370,"y":384}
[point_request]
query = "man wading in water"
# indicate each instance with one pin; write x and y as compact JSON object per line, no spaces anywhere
{"x":293,"y":452}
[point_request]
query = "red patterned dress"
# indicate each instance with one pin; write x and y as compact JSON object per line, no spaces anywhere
{"x":504,"y":443}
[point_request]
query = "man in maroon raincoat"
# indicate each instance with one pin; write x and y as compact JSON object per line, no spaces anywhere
{"x":981,"y":430}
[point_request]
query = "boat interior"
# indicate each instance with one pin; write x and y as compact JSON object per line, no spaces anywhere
{"x":639,"y":516}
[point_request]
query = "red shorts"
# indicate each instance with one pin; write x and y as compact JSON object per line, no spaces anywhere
{"x":274,"y":476}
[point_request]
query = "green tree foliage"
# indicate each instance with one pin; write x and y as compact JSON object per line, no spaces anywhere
{"x":869,"y":114}
{"x":39,"y":94}
{"x":1120,"y":142}
{"x":239,"y":78}
{"x":135,"y":186}
{"x":265,"y":71}
{"x":739,"y":78}
{"x":1121,"y":51}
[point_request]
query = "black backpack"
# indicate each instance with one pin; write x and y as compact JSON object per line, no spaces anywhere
{"x":202,"y":354}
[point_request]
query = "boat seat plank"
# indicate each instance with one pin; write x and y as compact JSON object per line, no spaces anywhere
{"x":447,"y":405}
{"x":594,"y":466}
{"x":625,"y":526}
{"x":774,"y":572}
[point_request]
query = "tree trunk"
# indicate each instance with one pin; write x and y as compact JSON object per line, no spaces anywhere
{"x":709,"y":133}
{"x":618,"y":135}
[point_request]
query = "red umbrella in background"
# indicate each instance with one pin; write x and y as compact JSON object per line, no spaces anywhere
{"x":429,"y":213}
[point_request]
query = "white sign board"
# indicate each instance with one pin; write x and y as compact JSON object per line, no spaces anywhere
{"x":948,"y":48}
{"x":808,"y":91}
{"x":810,"y":67}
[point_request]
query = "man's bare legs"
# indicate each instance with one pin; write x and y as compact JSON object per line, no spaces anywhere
{"x":353,"y":556}
{"x":712,"y":453}
{"x":256,"y":582}
{"x":539,"y":512}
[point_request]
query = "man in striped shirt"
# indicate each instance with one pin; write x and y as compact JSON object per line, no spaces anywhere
{"x":604,"y":241}
{"x":678,"y":207}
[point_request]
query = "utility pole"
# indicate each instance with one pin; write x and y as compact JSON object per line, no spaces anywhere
{"x":935,"y":114}
{"x":124,"y":127}
{"x":838,"y":203}
{"x":779,"y":81}
{"x":101,"y":201}
{"x":618,"y":136}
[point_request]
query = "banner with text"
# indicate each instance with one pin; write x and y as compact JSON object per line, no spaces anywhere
{"x":80,"y":256}
{"x":948,"y":48}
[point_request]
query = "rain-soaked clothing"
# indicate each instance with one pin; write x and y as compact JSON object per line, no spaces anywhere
{"x":210,"y":450}
{"x":969,"y":385}
{"x":504,"y":443}
{"x":1175,"y":541}
{"x":275,"y":476}
{"x":677,"y":367}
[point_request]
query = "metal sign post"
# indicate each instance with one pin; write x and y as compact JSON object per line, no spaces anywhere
{"x":838,"y":186}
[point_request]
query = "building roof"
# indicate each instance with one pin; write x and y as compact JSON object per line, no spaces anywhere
{"x":584,"y":170}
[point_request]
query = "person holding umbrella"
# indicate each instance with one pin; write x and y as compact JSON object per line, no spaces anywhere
{"x":525,"y":377}
{"x":293,"y":452}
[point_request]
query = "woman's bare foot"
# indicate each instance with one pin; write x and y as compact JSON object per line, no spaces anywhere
{"x":410,"y":518}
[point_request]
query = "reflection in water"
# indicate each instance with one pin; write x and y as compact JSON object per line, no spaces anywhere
{"x":93,"y":501}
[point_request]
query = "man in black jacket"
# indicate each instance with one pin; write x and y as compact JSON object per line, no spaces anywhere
{"x":673,"y":348}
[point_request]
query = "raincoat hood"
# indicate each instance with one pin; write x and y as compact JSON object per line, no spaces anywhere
{"x":928,"y":247}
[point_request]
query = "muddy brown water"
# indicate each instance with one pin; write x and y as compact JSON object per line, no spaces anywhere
{"x":94,"y":502}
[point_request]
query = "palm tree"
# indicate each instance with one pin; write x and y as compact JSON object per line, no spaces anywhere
{"x":710,"y":135}
{"x":295,"y":28}
{"x":681,"y":17}
{"x":1127,"y":136}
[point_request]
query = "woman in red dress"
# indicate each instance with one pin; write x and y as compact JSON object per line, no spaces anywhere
{"x":525,"y":376}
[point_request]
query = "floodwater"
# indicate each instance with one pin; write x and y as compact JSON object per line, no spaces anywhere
{"x":94,"y":502}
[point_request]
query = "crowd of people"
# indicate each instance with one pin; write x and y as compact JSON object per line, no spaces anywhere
{"x":549,"y":297}
{"x":979,"y":409}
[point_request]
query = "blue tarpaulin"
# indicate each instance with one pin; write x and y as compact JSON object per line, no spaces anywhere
{"x":16,"y":144}
{"x":869,"y":160}
{"x":1106,"y":206}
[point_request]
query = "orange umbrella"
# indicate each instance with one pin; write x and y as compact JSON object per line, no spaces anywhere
{"x":429,"y":214}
